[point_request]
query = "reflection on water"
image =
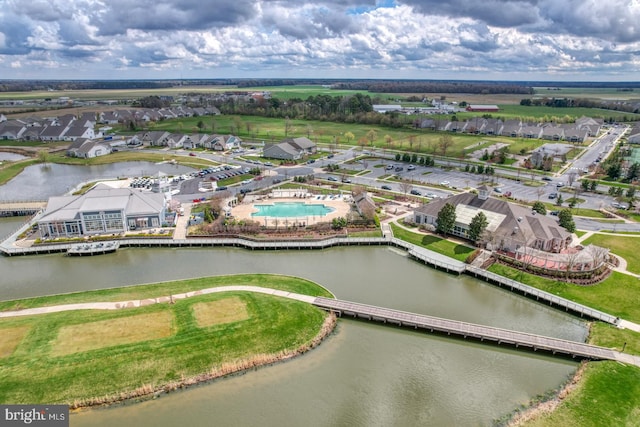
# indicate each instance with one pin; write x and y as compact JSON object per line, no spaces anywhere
{"x":365,"y":374}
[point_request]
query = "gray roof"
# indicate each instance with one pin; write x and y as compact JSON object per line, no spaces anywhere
{"x":101,"y":198}
{"x":520,"y":219}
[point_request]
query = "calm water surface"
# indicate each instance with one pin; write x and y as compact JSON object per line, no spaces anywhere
{"x":364,"y":374}
{"x":38,"y":182}
{"x":11,"y":156}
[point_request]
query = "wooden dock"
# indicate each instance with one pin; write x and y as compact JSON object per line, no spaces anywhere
{"x":95,"y":248}
{"x":21,"y":208}
{"x":481,"y":333}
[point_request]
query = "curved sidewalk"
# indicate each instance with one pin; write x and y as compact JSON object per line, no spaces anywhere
{"x":144,"y":302}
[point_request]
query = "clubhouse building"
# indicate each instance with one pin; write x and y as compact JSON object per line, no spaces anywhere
{"x":102,"y":210}
{"x":510,"y":227}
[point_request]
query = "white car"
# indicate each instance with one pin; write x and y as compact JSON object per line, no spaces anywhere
{"x":445,"y":183}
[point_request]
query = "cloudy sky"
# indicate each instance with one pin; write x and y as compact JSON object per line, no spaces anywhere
{"x":413,"y":39}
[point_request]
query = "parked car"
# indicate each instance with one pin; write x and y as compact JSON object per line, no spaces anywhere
{"x":332,"y":178}
{"x":445,"y":183}
{"x":192,"y":154}
{"x":411,"y":167}
{"x":559,"y":184}
{"x":431,"y":195}
{"x":498,"y":190}
{"x":415,"y":192}
{"x":554,"y":213}
{"x":389,"y":167}
{"x":330,"y":156}
{"x":386,"y":187}
{"x":546,"y":178}
{"x":347,"y":180}
{"x":553,"y":195}
{"x":399,"y":169}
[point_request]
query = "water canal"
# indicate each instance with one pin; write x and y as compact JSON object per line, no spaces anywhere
{"x":364,"y":374}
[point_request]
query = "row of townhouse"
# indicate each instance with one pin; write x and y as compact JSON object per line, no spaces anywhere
{"x":576,"y":132}
{"x":180,"y":140}
{"x":154,"y":114}
{"x":63,"y":128}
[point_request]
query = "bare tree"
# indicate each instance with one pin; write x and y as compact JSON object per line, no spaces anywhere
{"x":571,"y":178}
{"x":405,"y":186}
{"x":599,"y":255}
{"x":445,"y":142}
{"x":570,"y":259}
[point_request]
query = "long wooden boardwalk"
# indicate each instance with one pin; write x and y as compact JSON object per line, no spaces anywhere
{"x":474,"y":331}
{"x":21,"y":208}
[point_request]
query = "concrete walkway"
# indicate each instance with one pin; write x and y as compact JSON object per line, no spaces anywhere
{"x":183,"y":222}
{"x":160,"y":300}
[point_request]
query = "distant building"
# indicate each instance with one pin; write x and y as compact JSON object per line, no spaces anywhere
{"x":483,"y":108}
{"x":102,"y":210}
{"x":290,"y":149}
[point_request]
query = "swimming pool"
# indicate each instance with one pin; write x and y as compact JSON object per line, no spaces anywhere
{"x":291,"y":210}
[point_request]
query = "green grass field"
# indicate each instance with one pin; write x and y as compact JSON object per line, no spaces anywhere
{"x":626,"y":247}
{"x":434,"y":243}
{"x":608,"y":395}
{"x":35,"y":370}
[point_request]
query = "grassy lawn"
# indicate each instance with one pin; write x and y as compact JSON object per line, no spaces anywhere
{"x":608,"y":395}
{"x":617,"y":295}
{"x":285,"y":283}
{"x":434,"y":243}
{"x":626,"y":247}
{"x":132,"y":156}
{"x":169,"y":343}
{"x":10,"y":170}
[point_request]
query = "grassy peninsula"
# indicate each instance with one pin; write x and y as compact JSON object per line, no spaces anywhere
{"x":90,"y":357}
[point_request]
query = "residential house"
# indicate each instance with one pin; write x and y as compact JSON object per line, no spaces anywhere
{"x":282,"y":151}
{"x":552,"y":133}
{"x":533,"y":132}
{"x":156,"y":138}
{"x":87,"y":148}
{"x":511,"y":227}
{"x":175,"y":140}
{"x":87,"y":120}
{"x":591,"y":125}
{"x":634,"y":135}
{"x":11,"y":131}
{"x":108,"y":118}
{"x":52,"y":133}
{"x":74,"y":132}
{"x":195,"y":140}
{"x":102,"y":210}
{"x":224,"y":142}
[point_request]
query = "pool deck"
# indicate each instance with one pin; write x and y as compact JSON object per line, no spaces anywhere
{"x":340,"y":209}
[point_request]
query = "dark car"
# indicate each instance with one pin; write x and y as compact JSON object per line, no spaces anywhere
{"x":386,"y":187}
{"x":546,"y":178}
{"x":221,"y":188}
{"x":330,"y":156}
{"x":415,"y":193}
{"x":554,"y":213}
{"x":331,"y":178}
{"x":553,"y":195}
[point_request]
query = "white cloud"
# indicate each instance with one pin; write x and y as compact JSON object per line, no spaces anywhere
{"x":411,"y":38}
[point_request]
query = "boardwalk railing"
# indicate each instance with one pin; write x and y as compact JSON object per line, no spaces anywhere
{"x":467,"y":330}
{"x":541,"y":295}
{"x":424,"y":255}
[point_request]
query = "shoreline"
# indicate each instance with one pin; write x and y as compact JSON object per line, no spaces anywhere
{"x":532,"y":413}
{"x":150,"y":392}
